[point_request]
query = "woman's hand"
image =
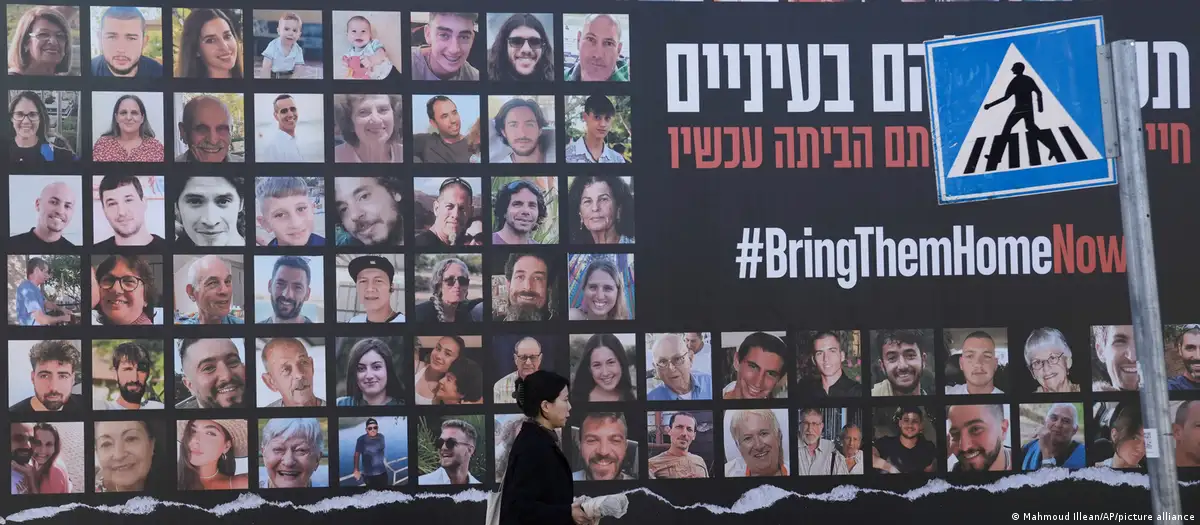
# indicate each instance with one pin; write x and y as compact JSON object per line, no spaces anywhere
{"x":578,"y":515}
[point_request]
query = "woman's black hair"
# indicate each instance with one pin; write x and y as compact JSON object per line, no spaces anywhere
{"x":584,"y":383}
{"x":539,"y":386}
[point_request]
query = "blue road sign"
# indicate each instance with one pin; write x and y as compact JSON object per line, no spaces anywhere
{"x":1017,"y":112}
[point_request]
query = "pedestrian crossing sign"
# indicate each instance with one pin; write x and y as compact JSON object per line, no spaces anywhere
{"x":1018,"y":112}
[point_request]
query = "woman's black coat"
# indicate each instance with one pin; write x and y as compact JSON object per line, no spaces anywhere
{"x":537,"y":487}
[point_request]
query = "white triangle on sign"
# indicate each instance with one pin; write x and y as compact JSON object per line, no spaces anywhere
{"x":989,"y":123}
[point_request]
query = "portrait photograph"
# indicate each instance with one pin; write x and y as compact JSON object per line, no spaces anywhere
{"x":128,"y":289}
{"x":522,"y":129}
{"x":446,"y":129}
{"x":600,"y":210}
{"x":208,"y":42}
{"x":1186,"y":417}
{"x":373,"y":451}
{"x":209,"y":211}
{"x":680,"y":444}
{"x":603,"y":368}
{"x":978,"y":438}
{"x":757,"y":443}
{"x":1183,"y":356}
{"x":291,"y":372}
{"x":905,"y":440}
{"x":47,"y":458}
{"x":902,"y":362}
{"x":524,"y":210}
{"x":829,"y":441}
{"x":367,"y":45}
{"x":1049,"y":365}
{"x":128,"y":374}
{"x":288,"y":44}
{"x":679,"y":366}
{"x":829,"y":363}
{"x":1114,"y":364}
{"x":129,"y":211}
{"x":526,"y":287}
{"x":128,"y":127}
{"x":1118,"y":439}
{"x":210,"y":373}
{"x":603,"y":449}
{"x":756,"y":365}
{"x":451,"y":450}
{"x":368,"y":128}
{"x":1052,"y":435}
{"x":45,"y":128}
{"x":445,"y":46}
{"x":599,"y":129}
{"x":446,"y":212}
{"x":289,"y":289}
{"x":521,"y":47}
{"x":596,"y":47}
{"x":370,"y":211}
{"x":289,"y":127}
{"x":448,"y":369}
{"x":977,"y":361}
{"x":293,"y":453}
{"x":44,"y":290}
{"x":600,"y":287}
{"x":209,"y":289}
{"x":211,"y":127}
{"x":213,"y":454}
{"x":290,"y":211}
{"x":127,"y":42}
{"x":44,"y":40}
{"x":133,"y":456}
{"x":370,"y":288}
{"x":372,"y":371}
{"x":45,"y":376}
{"x":448,"y":288}
{"x":44,"y":212}
{"x":515,"y":357}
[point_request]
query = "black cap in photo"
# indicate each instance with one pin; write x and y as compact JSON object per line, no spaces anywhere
{"x":359,"y":264}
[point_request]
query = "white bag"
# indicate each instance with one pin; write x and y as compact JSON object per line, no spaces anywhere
{"x":493,"y":507}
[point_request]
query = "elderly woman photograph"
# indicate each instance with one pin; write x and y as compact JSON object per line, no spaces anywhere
{"x":371,"y":128}
{"x":32,"y":143}
{"x":291,"y":452}
{"x":449,"y":286}
{"x":371,"y":376}
{"x":208,"y":452}
{"x":603,"y":293}
{"x":210,"y":45}
{"x":41,"y":43}
{"x":128,"y":456}
{"x":604,"y":204}
{"x":1048,"y":357}
{"x":604,"y":372}
{"x":128,"y":291}
{"x":129,"y":138}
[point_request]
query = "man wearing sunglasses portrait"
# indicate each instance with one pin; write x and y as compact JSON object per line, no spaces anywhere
{"x":455,"y":446}
{"x":521,"y":52}
{"x":449,"y":285}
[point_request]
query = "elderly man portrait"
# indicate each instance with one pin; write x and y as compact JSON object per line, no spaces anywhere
{"x":520,"y":209}
{"x":672,"y":362}
{"x":849,"y":459}
{"x":1053,"y":443}
{"x":53,"y":367}
{"x":368,"y":211}
{"x":122,"y":35}
{"x":908,"y":450}
{"x":291,"y":452}
{"x":450,"y":37}
{"x":124,"y":204}
{"x":131,"y":362}
{"x":1116,"y":359}
{"x":758,"y":436}
{"x":530,"y":283}
{"x":978,"y":363}
{"x":449,"y":283}
{"x":817,"y":454}
{"x":210,"y":286}
{"x":1187,"y":344}
{"x":54,"y":210}
{"x":289,"y":288}
{"x":1186,"y":431}
{"x":902,"y":361}
{"x":289,"y":373}
{"x":828,"y":357}
{"x":213,"y":372}
{"x":603,"y":444}
{"x":977,"y":438}
{"x":527,"y":357}
{"x":286,"y":210}
{"x":761,"y":361}
{"x":522,"y":51}
{"x":599,"y":50}
{"x":1048,"y":357}
{"x":208,"y":211}
{"x":677,"y":462}
{"x":455,"y":446}
{"x":523,"y":130}
{"x":206,"y":130}
{"x":450,"y":212}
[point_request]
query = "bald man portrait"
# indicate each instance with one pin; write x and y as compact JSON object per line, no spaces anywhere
{"x":210,"y":286}
{"x":599,"y":50}
{"x":55,"y":208}
{"x":206,"y":129}
{"x":289,"y":373}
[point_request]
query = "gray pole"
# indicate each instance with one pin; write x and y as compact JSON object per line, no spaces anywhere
{"x":1143,"y":281}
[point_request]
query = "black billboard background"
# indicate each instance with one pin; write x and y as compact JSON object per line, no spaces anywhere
{"x":690,"y":222}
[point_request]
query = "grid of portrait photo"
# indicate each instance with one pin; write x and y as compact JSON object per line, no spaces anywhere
{"x":237,"y":336}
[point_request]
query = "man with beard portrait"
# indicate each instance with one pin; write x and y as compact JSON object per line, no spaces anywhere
{"x":289,"y":288}
{"x":1188,"y":346}
{"x":54,"y":365}
{"x":450,"y":212}
{"x":603,"y":439}
{"x":530,"y":285}
{"x":132,"y":365}
{"x":977,"y":438}
{"x":521,"y":52}
{"x":677,"y":461}
{"x":902,"y":360}
{"x":213,"y":372}
{"x":368,"y":211}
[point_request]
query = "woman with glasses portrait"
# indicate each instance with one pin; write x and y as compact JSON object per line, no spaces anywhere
{"x":1048,"y":357}
{"x":448,"y":302}
{"x":33,"y":144}
{"x":128,"y":295}
{"x":41,"y":44}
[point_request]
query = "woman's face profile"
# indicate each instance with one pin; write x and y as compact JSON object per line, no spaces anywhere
{"x":52,"y":49}
{"x":117,"y":304}
{"x":605,"y":367}
{"x":129,"y":117}
{"x":596,"y":208}
{"x":374,"y":120}
{"x":371,"y":374}
{"x":218,"y":46}
{"x":556,"y":413}
{"x":452,"y":291}
{"x":207,"y":443}
{"x":600,"y":293}
{"x":44,"y":447}
{"x":125,"y":452}
{"x":26,"y":119}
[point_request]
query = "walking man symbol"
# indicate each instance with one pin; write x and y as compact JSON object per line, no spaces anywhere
{"x":1022,"y":87}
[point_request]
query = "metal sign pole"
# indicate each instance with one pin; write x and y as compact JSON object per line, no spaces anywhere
{"x":1143,"y":284}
